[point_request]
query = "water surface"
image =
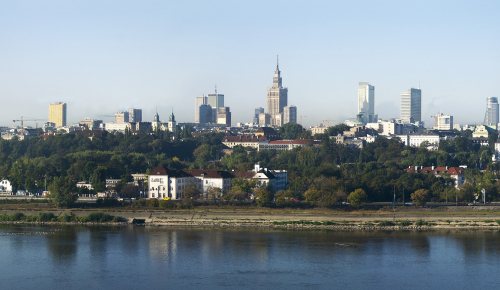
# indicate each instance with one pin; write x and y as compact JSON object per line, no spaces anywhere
{"x":39,"y":257}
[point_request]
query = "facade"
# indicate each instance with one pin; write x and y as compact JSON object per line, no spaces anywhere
{"x":249,"y":141}
{"x":284,"y":145}
{"x":172,"y":124}
{"x":212,"y":179}
{"x":257,"y":112}
{"x":5,"y":187}
{"x":491,"y":117}
{"x":482,"y":131}
{"x":321,"y":129}
{"x":198,"y":102}
{"x":215,"y":100}
{"x":121,"y":117}
{"x":90,"y":124}
{"x":455,"y":173}
{"x":134,"y":115}
{"x":418,"y":140}
{"x":264,"y":120}
{"x":366,"y":103}
{"x":443,"y":122}
{"x":277,"y":99}
{"x":57,"y":114}
{"x":224,"y":116}
{"x":204,"y":114}
{"x":290,"y":115}
{"x":411,"y":106}
{"x":117,"y":127}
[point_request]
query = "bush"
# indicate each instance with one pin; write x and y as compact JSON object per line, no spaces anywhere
{"x":357,"y":197}
{"x":18,"y":216}
{"x":46,"y":217}
{"x":420,"y":197}
{"x":67,"y":218}
{"x":99,"y":218}
{"x":152,"y":202}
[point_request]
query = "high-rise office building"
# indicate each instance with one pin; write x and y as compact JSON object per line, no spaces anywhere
{"x":366,"y":103}
{"x":198,"y":102}
{"x":411,"y":106}
{"x":121,"y":117}
{"x":215,"y":101}
{"x":443,"y":122}
{"x":57,"y":114}
{"x":491,"y":117}
{"x":134,"y":115}
{"x":290,"y":115}
{"x":224,"y":116}
{"x":264,"y":120}
{"x":277,"y":98}
{"x":205,"y":114}
{"x":256,"y":114}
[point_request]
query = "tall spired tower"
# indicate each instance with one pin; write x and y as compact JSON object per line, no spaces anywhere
{"x":277,"y":98}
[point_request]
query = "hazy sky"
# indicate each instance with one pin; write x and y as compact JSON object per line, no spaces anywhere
{"x":104,"y":56}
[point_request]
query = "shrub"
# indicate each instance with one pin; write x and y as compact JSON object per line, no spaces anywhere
{"x":420,"y":197}
{"x":99,"y":217}
{"x":357,"y":197}
{"x":386,"y":224}
{"x":152,"y":202}
{"x":46,"y":217}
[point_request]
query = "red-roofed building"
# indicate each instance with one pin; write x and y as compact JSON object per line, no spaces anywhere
{"x":457,"y":173}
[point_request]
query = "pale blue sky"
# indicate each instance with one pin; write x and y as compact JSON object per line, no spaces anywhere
{"x":104,"y":56}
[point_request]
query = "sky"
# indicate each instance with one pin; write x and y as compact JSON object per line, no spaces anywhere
{"x":103,"y":56}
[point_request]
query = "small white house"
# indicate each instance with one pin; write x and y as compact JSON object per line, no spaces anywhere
{"x":5,"y":187}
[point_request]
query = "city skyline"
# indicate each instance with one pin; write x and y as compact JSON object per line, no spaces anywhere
{"x":149,"y":56}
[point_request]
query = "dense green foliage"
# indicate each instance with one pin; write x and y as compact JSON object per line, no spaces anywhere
{"x":320,"y":175}
{"x":50,"y":217}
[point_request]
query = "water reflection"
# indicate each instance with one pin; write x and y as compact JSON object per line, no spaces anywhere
{"x":183,"y":258}
{"x":62,"y":244}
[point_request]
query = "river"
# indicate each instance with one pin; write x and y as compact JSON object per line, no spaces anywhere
{"x":60,"y":257}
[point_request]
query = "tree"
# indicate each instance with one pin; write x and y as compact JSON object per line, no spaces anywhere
{"x":283,"y":198}
{"x":357,"y":197}
{"x":129,"y":191}
{"x":420,"y":197}
{"x":292,"y":131}
{"x":263,"y":197}
{"x":63,"y":192}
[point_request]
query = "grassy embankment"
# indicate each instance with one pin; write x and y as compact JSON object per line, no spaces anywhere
{"x":401,"y":218}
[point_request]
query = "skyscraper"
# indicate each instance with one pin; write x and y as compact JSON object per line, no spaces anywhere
{"x":205,"y":114}
{"x":277,"y":98}
{"x":199,"y":101}
{"x":290,"y":115}
{"x":224,"y":116}
{"x":121,"y":117}
{"x":134,"y":115}
{"x":366,"y":103}
{"x":215,"y":101}
{"x":257,"y":112}
{"x":411,"y":106}
{"x":57,"y":114}
{"x":491,"y":117}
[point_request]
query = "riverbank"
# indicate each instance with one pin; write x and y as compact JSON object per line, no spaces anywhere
{"x":466,"y":218}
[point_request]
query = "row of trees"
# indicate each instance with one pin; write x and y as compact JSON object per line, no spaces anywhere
{"x":322,"y":175}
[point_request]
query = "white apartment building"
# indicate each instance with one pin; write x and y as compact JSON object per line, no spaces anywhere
{"x":418,"y":140}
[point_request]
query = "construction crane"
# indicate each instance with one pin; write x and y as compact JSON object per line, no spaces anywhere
{"x":22,"y":120}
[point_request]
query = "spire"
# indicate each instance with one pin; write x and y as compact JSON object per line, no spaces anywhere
{"x":277,"y":62}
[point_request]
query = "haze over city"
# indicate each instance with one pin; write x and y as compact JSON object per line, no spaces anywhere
{"x":101,"y":57}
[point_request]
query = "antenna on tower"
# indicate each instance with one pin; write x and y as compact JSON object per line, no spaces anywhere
{"x":277,"y":61}
{"x":216,"y":89}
